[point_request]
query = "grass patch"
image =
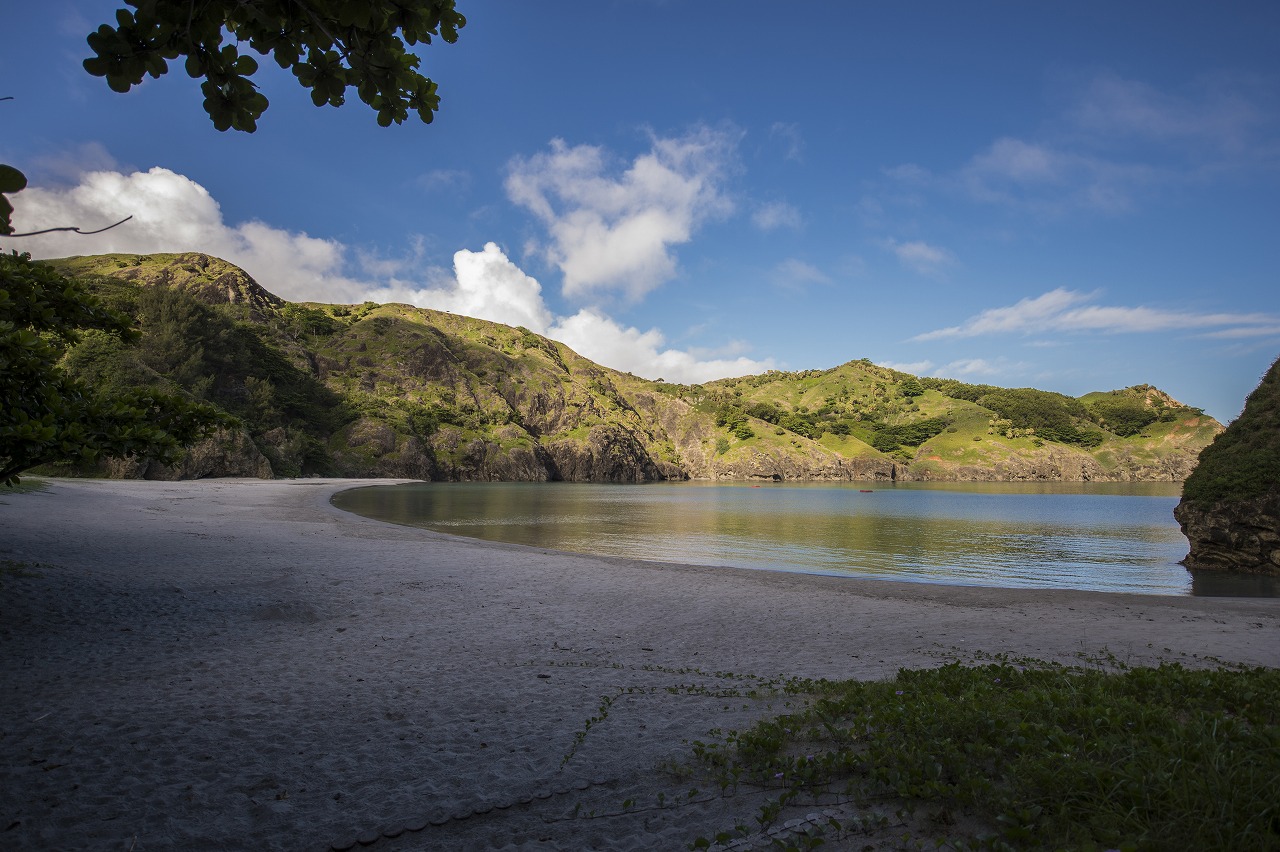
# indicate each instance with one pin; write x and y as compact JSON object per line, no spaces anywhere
{"x":1040,"y":756}
{"x":26,"y":485}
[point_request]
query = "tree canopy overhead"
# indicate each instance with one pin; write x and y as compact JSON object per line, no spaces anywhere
{"x":329,"y":45}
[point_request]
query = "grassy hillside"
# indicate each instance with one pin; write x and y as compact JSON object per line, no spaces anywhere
{"x":1244,"y":461}
{"x":393,"y":390}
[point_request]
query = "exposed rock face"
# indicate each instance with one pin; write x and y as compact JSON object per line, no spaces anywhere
{"x":210,"y":279}
{"x":779,"y":466}
{"x":1233,"y":535}
{"x":609,"y":454}
{"x":226,"y":453}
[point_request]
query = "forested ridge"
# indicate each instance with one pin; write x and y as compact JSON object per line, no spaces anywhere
{"x":393,"y":390}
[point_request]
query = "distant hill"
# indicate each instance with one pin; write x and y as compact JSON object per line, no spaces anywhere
{"x":394,"y":390}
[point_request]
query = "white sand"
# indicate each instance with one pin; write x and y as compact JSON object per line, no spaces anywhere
{"x":235,"y":664}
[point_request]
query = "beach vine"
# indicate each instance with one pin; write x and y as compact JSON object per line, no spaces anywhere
{"x":1019,"y":754}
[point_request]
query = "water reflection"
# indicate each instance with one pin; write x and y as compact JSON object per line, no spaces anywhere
{"x":1214,"y":584}
{"x":1111,"y":537}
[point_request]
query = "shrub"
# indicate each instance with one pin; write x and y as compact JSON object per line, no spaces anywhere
{"x":1244,"y":461}
{"x":1123,"y":415}
{"x":1039,"y":756}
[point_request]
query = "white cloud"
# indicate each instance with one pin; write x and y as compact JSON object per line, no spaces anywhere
{"x":1049,"y":179}
{"x":605,"y":341}
{"x":966,"y":367}
{"x":971,"y":367}
{"x":790,"y":138}
{"x":773,"y":215}
{"x":1065,"y":310}
{"x":793,"y":274}
{"x":443,"y":179}
{"x":1218,"y":113}
{"x":1114,"y":140}
{"x":173,"y":213}
{"x":485,"y":284}
{"x":920,"y":256}
{"x":1020,"y":162}
{"x":1254,"y":331}
{"x":68,"y":165}
{"x":915,"y":368}
{"x":616,"y":232}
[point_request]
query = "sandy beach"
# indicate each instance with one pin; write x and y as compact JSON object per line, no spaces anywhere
{"x":236,"y":664}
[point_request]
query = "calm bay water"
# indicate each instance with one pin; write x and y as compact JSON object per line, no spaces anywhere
{"x":1117,"y":537}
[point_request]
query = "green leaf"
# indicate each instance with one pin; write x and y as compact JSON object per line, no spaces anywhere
{"x":11,"y":180}
{"x":345,"y":42}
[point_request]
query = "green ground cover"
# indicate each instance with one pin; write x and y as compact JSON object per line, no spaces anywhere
{"x":1023,"y":755}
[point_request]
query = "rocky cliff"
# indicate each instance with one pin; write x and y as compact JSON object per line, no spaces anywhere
{"x":1230,"y":508}
{"x":1233,"y":535}
{"x":398,"y":391}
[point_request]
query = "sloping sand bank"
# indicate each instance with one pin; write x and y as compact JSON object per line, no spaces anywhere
{"x":234,"y":664}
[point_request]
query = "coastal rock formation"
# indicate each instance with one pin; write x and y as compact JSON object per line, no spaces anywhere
{"x":812,"y":465}
{"x":1230,"y":508}
{"x":1233,"y":535}
{"x":609,"y":454}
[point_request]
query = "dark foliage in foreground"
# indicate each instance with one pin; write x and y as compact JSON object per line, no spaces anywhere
{"x":1045,"y":757}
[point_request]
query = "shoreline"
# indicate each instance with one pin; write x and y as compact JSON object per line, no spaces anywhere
{"x":241,"y":664}
{"x":1177,"y":581}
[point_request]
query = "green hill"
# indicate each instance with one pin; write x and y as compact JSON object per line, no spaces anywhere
{"x":1230,"y":509}
{"x":394,"y":390}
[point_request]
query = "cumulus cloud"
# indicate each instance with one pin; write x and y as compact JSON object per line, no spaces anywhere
{"x":486,"y":285}
{"x":1063,"y":310}
{"x":920,"y":256}
{"x":172,"y":213}
{"x":605,"y":341}
{"x":615,"y":232}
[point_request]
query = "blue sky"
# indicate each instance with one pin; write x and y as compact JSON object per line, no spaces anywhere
{"x":1074,"y":196}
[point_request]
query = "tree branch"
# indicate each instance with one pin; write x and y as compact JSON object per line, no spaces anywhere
{"x":73,"y":230}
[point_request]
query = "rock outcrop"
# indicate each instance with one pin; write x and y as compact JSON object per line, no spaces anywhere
{"x":1233,"y":535}
{"x":1230,"y":508}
